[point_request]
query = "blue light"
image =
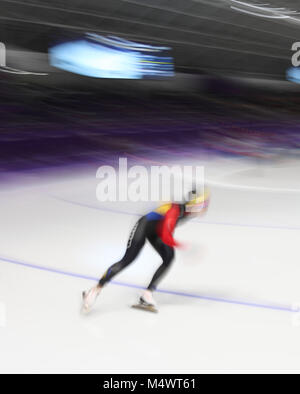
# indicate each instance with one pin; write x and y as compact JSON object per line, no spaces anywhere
{"x":293,"y":74}
{"x":103,"y":57}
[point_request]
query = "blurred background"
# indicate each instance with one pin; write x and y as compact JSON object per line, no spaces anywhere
{"x":203,"y":82}
{"x":221,"y":87}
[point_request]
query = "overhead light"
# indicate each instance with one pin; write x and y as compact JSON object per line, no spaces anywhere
{"x":264,"y":10}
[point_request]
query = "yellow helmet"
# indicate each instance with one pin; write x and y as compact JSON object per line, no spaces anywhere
{"x":198,"y":203}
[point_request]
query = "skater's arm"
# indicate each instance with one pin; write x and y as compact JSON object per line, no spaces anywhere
{"x":168,"y":226}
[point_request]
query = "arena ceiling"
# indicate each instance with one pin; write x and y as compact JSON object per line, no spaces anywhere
{"x":214,"y":36}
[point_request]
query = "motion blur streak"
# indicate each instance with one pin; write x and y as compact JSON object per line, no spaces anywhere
{"x":281,"y":308}
{"x":168,"y":87}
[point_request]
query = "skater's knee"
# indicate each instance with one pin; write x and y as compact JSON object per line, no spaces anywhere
{"x":120,"y":265}
{"x":167,"y":261}
{"x":171,"y":254}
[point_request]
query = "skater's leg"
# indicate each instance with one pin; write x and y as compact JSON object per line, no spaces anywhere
{"x":167,"y":254}
{"x":135,"y":243}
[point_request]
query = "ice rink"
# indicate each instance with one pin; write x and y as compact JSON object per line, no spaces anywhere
{"x":229,"y":303}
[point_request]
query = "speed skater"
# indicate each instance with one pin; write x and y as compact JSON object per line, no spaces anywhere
{"x":157,"y":227}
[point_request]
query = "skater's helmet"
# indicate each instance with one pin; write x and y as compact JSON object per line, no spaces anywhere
{"x":198,"y":202}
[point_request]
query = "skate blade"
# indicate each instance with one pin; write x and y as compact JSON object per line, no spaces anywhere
{"x":84,"y":308}
{"x":145,"y":308}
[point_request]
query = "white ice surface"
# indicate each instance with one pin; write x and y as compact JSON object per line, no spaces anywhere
{"x":245,"y":250}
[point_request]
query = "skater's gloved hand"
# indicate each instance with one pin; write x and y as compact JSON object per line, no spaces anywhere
{"x":182,"y":246}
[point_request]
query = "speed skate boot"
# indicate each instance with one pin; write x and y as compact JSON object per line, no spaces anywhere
{"x":146,"y":302}
{"x":89,"y":298}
